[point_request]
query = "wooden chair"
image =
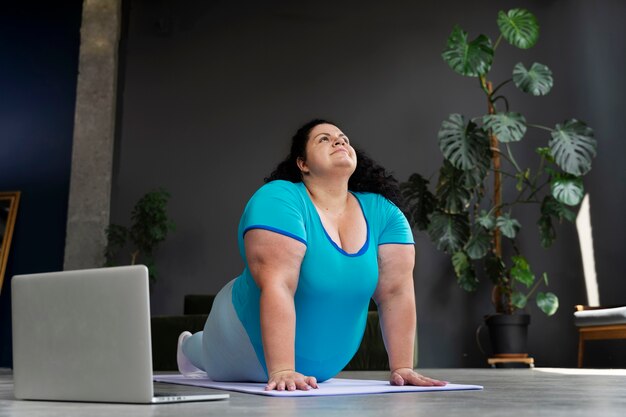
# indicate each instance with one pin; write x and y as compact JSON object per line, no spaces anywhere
{"x":594,"y":323}
{"x":598,"y":323}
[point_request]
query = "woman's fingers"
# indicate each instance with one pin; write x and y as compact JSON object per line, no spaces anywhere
{"x":291,"y":381}
{"x":311,"y":381}
{"x":425,"y":381}
{"x":301,"y":385}
{"x":396,"y":379}
{"x":407,"y":376}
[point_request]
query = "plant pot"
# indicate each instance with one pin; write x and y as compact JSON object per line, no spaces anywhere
{"x":508,"y":334}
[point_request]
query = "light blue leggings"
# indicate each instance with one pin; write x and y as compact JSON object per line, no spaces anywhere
{"x":223,"y":350}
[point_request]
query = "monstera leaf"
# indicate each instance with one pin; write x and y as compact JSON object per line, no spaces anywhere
{"x":508,"y":127}
{"x":419,"y":199}
{"x":449,"y":231}
{"x":573,"y":147}
{"x":495,"y":269}
{"x":519,"y":27}
{"x":551,"y":207}
{"x":460,"y":262}
{"x":567,"y":189}
{"x":451,"y":192}
{"x":507,"y":225}
{"x":518,"y":299}
{"x":478,"y":244}
{"x":537,"y":80}
{"x":464,"y":146}
{"x":486,"y":220}
{"x":473,"y":178}
{"x":547,"y":232}
{"x":520,"y":271}
{"x":466,"y":277}
{"x":544,"y":152}
{"x":548,"y":303}
{"x":468,"y":58}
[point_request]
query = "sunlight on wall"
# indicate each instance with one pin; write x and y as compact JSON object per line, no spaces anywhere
{"x":583,"y":225}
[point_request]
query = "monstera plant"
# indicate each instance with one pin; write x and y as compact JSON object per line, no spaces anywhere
{"x":467,"y":215}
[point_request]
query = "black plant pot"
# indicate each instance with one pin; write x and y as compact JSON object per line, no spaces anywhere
{"x":508,"y":334}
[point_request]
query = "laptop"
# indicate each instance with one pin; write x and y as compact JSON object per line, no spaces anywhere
{"x":85,"y":336}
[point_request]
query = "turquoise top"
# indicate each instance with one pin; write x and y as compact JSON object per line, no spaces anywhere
{"x":334,"y":287}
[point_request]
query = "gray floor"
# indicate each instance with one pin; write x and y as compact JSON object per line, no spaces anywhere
{"x":508,"y":392}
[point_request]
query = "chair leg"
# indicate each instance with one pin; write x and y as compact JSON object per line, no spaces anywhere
{"x":581,"y":349}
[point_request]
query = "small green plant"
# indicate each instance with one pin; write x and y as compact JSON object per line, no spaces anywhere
{"x":150,"y":226}
{"x":461,"y":217}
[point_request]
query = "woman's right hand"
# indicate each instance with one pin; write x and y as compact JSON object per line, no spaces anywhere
{"x":290,"y":380}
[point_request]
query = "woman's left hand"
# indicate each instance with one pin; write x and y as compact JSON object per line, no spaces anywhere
{"x":407,"y":376}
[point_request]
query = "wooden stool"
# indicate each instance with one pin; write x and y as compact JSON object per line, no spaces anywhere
{"x":511,"y":358}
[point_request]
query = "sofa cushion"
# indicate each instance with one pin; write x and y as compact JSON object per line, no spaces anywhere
{"x":600,"y":317}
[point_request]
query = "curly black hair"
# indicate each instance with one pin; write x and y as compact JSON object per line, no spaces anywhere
{"x":368,"y":175}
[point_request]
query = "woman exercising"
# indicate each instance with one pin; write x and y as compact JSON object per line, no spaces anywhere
{"x":318,"y":240}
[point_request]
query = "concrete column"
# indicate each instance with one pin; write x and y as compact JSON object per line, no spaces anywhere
{"x":94,"y":127}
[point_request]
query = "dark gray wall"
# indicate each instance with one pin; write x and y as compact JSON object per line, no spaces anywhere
{"x":212,"y":92}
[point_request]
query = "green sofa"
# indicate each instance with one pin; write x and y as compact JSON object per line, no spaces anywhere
{"x":165,"y":330}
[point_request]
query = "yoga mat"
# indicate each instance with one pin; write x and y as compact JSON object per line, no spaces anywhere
{"x":334,"y":386}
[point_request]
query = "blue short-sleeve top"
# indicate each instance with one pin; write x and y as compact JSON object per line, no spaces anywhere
{"x":334,"y":287}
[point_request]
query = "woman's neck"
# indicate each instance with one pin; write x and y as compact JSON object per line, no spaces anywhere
{"x":329,"y":196}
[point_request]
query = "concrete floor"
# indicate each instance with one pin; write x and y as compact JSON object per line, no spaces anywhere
{"x":508,"y":392}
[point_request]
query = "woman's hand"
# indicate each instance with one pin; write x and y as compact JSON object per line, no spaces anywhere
{"x":290,"y":380}
{"x":407,"y":376}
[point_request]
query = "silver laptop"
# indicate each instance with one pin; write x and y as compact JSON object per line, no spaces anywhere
{"x":85,"y":336}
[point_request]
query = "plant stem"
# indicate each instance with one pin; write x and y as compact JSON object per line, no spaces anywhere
{"x":483,"y":85}
{"x":506,"y":102}
{"x":520,"y":201}
{"x":539,"y":188}
{"x":512,"y":159}
{"x":495,"y":46}
{"x":505,"y":157}
{"x":507,"y":174}
{"x":503,"y":83}
{"x":133,"y":257}
{"x":540,"y":168}
{"x":539,"y":127}
{"x":534,"y":288}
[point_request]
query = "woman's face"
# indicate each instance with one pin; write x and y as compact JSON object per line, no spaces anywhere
{"x":328,"y":150}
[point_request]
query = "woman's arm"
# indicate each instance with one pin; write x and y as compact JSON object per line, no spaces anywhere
{"x":395,"y":298}
{"x":274,"y":261}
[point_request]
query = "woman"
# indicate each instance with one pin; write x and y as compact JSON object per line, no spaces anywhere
{"x":318,"y":240}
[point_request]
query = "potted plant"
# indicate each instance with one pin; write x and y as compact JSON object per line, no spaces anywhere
{"x":469,"y":219}
{"x":150,"y":226}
